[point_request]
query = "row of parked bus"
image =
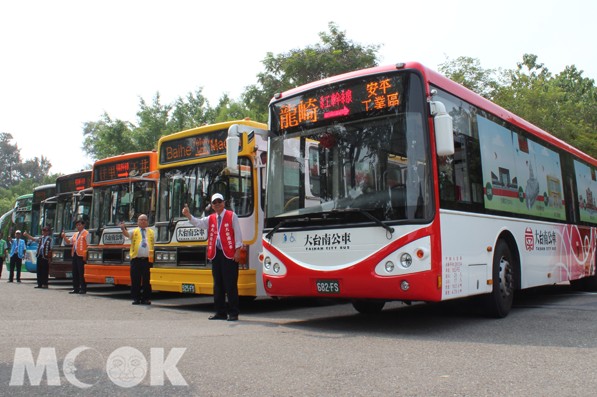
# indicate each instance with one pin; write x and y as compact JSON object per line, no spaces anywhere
{"x":389,"y":183}
{"x":187,"y":169}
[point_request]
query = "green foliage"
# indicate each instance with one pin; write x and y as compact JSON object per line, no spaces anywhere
{"x":564,"y":105}
{"x":190,"y":113}
{"x":153,"y":123}
{"x":334,"y":55}
{"x":24,"y":186}
{"x":107,"y":137}
{"x":468,"y":72}
{"x":14,"y":169}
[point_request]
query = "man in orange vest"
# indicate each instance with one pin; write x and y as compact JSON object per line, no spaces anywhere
{"x":224,"y":242}
{"x":79,"y":240}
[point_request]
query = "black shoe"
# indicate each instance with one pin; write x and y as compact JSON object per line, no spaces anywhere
{"x":217,"y":317}
{"x":82,"y":292}
{"x":233,"y":317}
{"x":74,"y":292}
{"x":39,"y":286}
{"x":44,"y":286}
{"x":146,"y":302}
{"x":9,"y":281}
{"x":18,"y":281}
{"x":136,"y":302}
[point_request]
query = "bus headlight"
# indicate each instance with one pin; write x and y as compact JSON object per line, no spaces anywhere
{"x":406,"y":260}
{"x":95,"y":256}
{"x":267,"y":263}
{"x":389,"y":266}
{"x":127,"y":256}
{"x":276,"y":267}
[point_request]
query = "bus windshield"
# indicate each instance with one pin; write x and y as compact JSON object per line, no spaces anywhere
{"x":124,"y":202}
{"x":69,"y":209}
{"x":380,"y":165}
{"x":194,"y":184}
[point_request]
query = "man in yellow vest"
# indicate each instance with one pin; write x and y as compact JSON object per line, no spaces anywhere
{"x":141,"y":251}
{"x":79,"y":240}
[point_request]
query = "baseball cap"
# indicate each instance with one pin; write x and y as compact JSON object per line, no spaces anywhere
{"x":216,"y":197}
{"x":18,"y":231}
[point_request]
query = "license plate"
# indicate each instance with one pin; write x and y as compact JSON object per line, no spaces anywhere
{"x":188,"y":288}
{"x":109,"y":280}
{"x":327,"y":286}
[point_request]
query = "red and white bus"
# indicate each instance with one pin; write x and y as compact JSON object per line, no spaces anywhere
{"x":426,"y":192}
{"x":124,"y":187}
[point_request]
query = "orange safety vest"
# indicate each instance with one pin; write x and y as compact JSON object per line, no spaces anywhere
{"x":80,"y":244}
{"x":226,"y":236}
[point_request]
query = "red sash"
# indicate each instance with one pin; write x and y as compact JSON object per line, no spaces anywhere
{"x":226,"y":236}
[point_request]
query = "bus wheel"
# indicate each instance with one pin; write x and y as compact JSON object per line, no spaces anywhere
{"x":499,"y":302}
{"x":368,"y":306}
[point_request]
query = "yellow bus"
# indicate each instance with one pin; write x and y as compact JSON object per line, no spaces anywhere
{"x":124,"y":187}
{"x":192,"y":166}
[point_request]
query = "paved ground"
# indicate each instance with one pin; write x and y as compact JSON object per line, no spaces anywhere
{"x":547,"y":346}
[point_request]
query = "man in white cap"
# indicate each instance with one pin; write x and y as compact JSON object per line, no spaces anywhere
{"x":223,"y":249}
{"x":17,"y":253}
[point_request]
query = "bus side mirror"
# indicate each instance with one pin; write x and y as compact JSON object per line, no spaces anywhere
{"x":444,"y":131}
{"x":232,"y":148}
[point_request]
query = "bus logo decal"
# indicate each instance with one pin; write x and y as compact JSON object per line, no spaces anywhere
{"x":327,"y":241}
{"x":191,"y":234}
{"x":113,"y":238}
{"x":528,"y":239}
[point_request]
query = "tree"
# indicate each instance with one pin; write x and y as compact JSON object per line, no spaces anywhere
{"x":107,"y":137}
{"x":190,"y":113}
{"x":36,"y":169}
{"x":10,"y":158}
{"x":153,"y":123}
{"x":15,"y":169}
{"x":565,"y":105}
{"x":468,"y":72}
{"x":334,"y":55}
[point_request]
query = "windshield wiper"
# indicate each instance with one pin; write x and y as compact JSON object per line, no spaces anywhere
{"x":367,"y":214}
{"x":282,"y":223}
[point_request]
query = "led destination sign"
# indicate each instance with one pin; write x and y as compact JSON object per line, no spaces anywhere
{"x":121,"y":169}
{"x":42,"y":194}
{"x":73,"y":183}
{"x":372,"y":95}
{"x":193,"y":147}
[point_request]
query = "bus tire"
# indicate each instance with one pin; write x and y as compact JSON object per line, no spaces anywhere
{"x":499,"y":302}
{"x":368,"y":306}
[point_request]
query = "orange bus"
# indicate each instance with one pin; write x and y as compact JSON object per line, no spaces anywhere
{"x":124,"y":187}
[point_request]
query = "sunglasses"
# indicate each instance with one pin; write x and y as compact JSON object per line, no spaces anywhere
{"x":217,"y":201}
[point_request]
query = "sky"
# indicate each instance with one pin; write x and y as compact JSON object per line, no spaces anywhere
{"x":66,"y":62}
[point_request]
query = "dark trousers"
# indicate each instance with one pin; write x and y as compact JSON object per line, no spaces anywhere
{"x":1,"y":265}
{"x":43,"y":271}
{"x":79,"y":284}
{"x":17,"y":262}
{"x":225,"y":275}
{"x":140,"y":286}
